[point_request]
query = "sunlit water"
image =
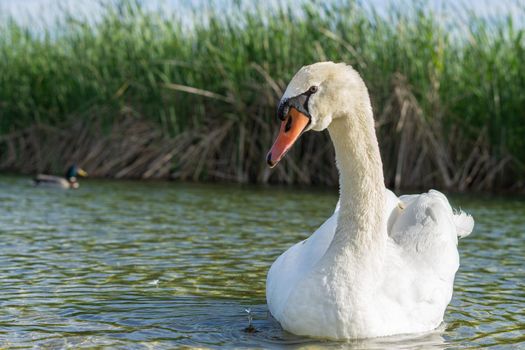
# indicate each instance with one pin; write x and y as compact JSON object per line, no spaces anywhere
{"x":163,"y":265}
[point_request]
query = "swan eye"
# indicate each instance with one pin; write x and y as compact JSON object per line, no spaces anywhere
{"x":313,"y":89}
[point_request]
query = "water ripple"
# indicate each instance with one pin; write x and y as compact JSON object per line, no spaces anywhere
{"x":157,"y":265}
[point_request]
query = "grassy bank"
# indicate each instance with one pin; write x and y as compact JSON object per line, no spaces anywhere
{"x":144,"y":95}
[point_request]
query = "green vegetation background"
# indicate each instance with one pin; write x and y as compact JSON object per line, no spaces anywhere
{"x":142,"y":94}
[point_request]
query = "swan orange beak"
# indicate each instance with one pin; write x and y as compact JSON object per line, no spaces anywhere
{"x":291,"y":128}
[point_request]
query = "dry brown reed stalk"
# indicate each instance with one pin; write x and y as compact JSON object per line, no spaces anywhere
{"x":418,"y":153}
{"x":416,"y":150}
{"x":132,"y":148}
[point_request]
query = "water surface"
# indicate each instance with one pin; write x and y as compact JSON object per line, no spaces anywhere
{"x":160,"y":265}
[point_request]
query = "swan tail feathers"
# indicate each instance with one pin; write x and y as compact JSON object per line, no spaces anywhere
{"x":464,"y":223}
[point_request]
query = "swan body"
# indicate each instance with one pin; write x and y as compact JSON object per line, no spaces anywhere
{"x":380,"y":265}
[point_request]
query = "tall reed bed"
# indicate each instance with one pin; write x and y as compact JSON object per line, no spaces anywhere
{"x":449,"y":95}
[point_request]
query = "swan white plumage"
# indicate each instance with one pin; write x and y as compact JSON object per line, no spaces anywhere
{"x":380,"y":265}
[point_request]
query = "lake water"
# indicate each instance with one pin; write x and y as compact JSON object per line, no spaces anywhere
{"x":163,"y":265}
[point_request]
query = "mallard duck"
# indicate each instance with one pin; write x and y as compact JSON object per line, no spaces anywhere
{"x":382,"y":264}
{"x":69,"y":181}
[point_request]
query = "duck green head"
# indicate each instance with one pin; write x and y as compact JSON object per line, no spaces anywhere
{"x":74,"y":171}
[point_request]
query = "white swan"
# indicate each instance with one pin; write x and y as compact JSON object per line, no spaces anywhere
{"x":381,"y":265}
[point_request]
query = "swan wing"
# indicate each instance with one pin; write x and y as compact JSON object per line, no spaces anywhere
{"x":426,"y":229}
{"x":422,"y":259}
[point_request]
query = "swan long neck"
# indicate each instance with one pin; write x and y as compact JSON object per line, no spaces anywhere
{"x":361,"y":224}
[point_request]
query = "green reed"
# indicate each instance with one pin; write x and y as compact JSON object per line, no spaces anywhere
{"x":228,"y":68}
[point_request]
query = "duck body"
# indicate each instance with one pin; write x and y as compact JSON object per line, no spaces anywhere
{"x":67,"y":182}
{"x":43,"y":180}
{"x":380,"y":265}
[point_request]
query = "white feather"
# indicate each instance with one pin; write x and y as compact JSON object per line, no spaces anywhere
{"x":380,"y":265}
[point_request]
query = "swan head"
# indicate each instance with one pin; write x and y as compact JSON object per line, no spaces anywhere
{"x":316,"y":96}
